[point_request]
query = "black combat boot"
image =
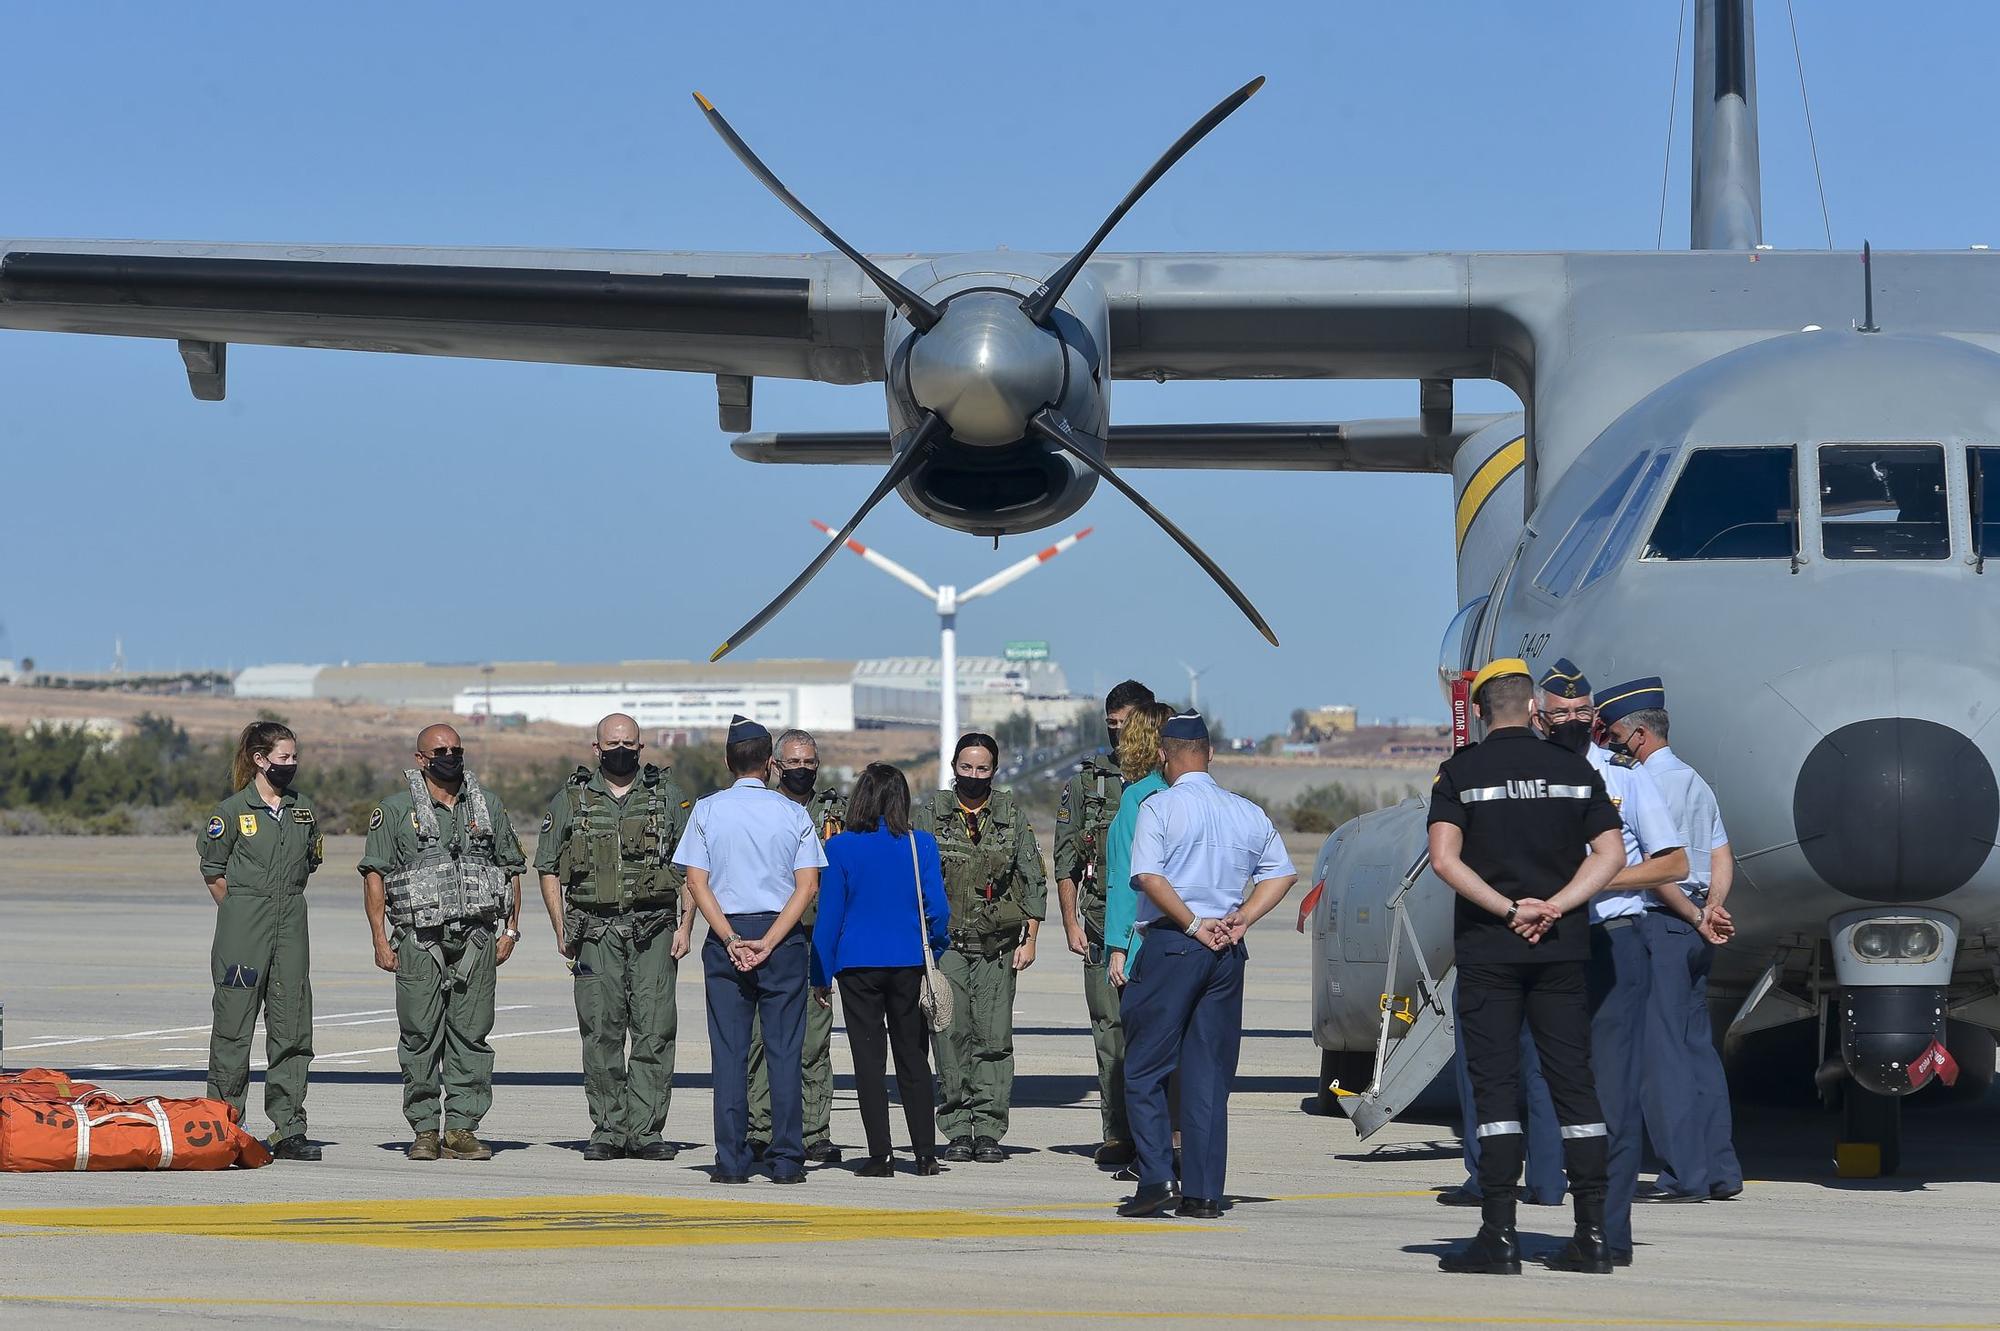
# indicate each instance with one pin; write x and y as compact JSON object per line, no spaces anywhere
{"x":1586,"y":1251}
{"x":1492,"y":1252}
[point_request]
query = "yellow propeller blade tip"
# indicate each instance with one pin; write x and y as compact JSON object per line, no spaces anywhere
{"x":1255,"y":84}
{"x":720,"y":652}
{"x":703,"y":102}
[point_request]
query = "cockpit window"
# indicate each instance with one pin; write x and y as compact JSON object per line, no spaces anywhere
{"x":1883,"y":501}
{"x":1731,"y":503}
{"x":1635,"y":508}
{"x":1982,"y":466}
{"x":1586,"y":533}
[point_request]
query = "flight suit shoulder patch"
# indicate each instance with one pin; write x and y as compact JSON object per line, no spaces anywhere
{"x":687,"y":804}
{"x":548,"y":821}
{"x":246,"y":824}
{"x":302,"y":815}
{"x":216,"y":827}
{"x":375,"y":820}
{"x":1062,"y":807}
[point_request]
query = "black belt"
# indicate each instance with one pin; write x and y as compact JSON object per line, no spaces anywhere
{"x":1618,"y":922}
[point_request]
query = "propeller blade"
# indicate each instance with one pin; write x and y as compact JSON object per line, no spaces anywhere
{"x":1055,"y":427}
{"x":913,"y":307}
{"x":1041,"y":302}
{"x":920,"y":446}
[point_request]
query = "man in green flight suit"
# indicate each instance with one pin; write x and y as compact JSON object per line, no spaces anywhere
{"x":795,"y":761}
{"x":441,"y":877}
{"x":257,"y":850}
{"x":998,"y":895}
{"x":613,"y":894}
{"x":1089,"y":803}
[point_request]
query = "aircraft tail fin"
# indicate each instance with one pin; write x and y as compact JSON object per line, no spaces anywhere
{"x":1726,"y":207}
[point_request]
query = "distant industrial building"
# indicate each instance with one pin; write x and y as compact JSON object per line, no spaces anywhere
{"x":690,"y":696}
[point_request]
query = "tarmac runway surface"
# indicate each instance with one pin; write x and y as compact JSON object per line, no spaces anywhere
{"x":103,"y":972}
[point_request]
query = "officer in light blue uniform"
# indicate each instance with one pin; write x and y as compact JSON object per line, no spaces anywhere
{"x":1196,"y":851}
{"x":1686,"y":1094}
{"x":753,"y":859}
{"x":1619,"y":974}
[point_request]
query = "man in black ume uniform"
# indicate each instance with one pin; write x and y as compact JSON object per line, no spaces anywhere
{"x":1511,"y":818}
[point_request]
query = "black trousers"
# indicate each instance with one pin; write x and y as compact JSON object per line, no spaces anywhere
{"x":880,"y":1005}
{"x":1554,"y":999}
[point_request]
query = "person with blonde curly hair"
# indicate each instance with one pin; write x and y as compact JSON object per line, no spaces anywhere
{"x":1139,"y":757}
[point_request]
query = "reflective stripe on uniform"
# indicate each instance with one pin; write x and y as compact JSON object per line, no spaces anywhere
{"x":1587,"y":1130}
{"x":1504,"y":1128}
{"x":1482,"y":794}
{"x":1570,"y":792}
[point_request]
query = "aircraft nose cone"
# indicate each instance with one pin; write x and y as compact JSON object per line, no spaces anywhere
{"x":1896,"y":809}
{"x":986,"y":367}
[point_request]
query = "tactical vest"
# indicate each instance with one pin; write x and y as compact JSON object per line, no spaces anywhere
{"x":622,"y":855}
{"x":829,"y":814}
{"x":980,"y":882}
{"x":445,"y":884}
{"x":1102,"y":787}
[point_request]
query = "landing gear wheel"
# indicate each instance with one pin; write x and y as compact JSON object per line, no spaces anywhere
{"x":1353,"y":1071}
{"x":1868,"y":1117}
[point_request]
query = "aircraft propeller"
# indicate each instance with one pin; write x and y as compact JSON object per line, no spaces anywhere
{"x":969,"y":392}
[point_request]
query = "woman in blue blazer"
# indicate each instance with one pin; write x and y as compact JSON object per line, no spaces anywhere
{"x":871,"y":939}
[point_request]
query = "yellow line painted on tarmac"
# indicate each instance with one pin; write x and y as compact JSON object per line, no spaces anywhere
{"x":1004,"y":1314}
{"x":460,"y":1224}
{"x":1290,"y":1197}
{"x":1491,"y":475}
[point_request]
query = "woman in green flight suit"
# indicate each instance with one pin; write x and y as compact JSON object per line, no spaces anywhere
{"x":257,"y":850}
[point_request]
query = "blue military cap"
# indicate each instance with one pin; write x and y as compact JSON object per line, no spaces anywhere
{"x":1625,"y":699}
{"x":742,"y":728}
{"x":1185,"y":725}
{"x":1564,"y":680}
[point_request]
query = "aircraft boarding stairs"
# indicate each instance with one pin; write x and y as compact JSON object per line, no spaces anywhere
{"x":1415,"y":1040}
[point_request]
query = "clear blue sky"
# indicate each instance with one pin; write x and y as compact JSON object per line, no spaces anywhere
{"x":300,"y":520}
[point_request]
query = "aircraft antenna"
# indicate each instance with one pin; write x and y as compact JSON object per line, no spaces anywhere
{"x":1867,"y":324}
{"x":1673,"y":102}
{"x":1799,"y":61}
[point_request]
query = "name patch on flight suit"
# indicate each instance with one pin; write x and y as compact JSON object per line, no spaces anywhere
{"x":216,"y":827}
{"x":246,"y":824}
{"x":302,"y":815}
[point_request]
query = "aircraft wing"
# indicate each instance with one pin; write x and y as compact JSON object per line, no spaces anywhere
{"x":1173,"y":316}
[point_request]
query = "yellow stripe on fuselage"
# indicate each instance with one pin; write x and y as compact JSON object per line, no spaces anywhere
{"x":1491,"y":475}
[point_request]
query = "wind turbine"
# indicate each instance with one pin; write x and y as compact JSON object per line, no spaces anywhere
{"x":1194,"y":684}
{"x":947,"y":600}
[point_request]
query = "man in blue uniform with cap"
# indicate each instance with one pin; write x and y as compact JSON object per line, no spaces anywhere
{"x":1686,"y":1095}
{"x":753,"y":859}
{"x":1196,"y":850}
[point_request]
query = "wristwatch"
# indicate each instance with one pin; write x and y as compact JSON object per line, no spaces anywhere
{"x":1193,"y":927}
{"x":511,"y":934}
{"x":732,"y":940}
{"x":1512,"y":911}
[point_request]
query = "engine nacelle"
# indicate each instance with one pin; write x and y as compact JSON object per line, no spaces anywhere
{"x":985,"y":368}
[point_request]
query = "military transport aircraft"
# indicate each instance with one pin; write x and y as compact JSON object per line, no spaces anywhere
{"x":1763,"y":475}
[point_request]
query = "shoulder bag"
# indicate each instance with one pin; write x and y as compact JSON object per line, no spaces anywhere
{"x":934,"y":999}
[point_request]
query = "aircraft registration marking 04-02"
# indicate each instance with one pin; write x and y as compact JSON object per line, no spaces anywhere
{"x":493,"y":1224}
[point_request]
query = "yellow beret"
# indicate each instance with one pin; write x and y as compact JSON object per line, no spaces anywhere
{"x":1497,"y":669}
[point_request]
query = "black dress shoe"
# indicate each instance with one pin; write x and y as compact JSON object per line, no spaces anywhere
{"x":1151,"y":1199}
{"x":958,"y":1151}
{"x":1621,"y":1257}
{"x":1129,"y":1174}
{"x":987,"y":1151}
{"x":1656,"y":1193}
{"x":1492,"y":1252}
{"x":1199,"y":1208}
{"x":729,"y":1178}
{"x":758,"y":1149}
{"x":822,"y":1153}
{"x":877,"y":1167}
{"x":1586,"y":1252}
{"x":1458,"y":1197}
{"x":603,"y":1151}
{"x":928,"y":1165}
{"x":1720,"y":1193}
{"x":655,"y":1151}
{"x":294,"y":1147}
{"x":799,"y":1177}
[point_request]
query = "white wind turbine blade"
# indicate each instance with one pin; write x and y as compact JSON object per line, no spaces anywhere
{"x":883,"y":562}
{"x":1024,"y":568}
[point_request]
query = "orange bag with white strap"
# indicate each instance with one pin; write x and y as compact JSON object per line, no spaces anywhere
{"x":97,"y":1131}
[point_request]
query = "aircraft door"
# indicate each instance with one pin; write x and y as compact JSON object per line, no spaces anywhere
{"x":1365,"y":926}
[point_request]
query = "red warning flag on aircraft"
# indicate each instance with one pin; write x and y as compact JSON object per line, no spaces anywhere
{"x":1934,"y":1061}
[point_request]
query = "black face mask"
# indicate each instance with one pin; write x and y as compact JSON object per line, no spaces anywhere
{"x":798,"y":780}
{"x":1619,"y":747}
{"x":974,"y":788}
{"x":1114,"y":732}
{"x":281,"y":775}
{"x":619,"y":763}
{"x":1572,"y":735}
{"x":448,"y":769}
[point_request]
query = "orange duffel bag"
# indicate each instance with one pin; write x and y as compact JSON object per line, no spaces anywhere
{"x":97,"y":1130}
{"x":42,"y":1084}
